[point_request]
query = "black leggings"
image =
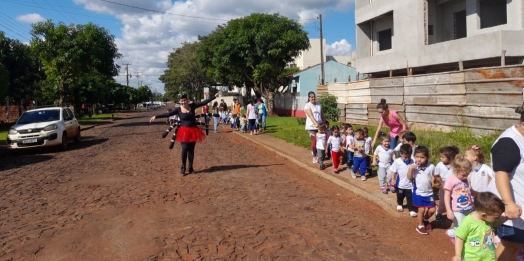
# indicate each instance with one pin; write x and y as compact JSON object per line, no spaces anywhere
{"x":188,"y":151}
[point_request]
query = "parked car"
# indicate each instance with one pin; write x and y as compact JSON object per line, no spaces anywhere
{"x":53,"y":126}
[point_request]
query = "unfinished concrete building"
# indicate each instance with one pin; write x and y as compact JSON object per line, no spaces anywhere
{"x":399,"y":37}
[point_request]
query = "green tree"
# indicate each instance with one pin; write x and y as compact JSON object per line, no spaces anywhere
{"x":77,"y":59}
{"x":23,"y":69}
{"x":143,"y":93}
{"x":185,"y":72}
{"x":256,"y":48}
{"x":329,"y":106}
{"x":4,"y":82}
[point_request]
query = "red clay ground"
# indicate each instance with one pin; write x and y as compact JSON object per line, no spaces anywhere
{"x":119,"y":196}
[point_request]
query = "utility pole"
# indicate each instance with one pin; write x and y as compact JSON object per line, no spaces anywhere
{"x":127,"y":72}
{"x":137,"y":79}
{"x":321,"y":51}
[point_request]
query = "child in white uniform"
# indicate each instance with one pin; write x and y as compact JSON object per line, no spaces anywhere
{"x":443,"y":170}
{"x":334,"y":142}
{"x":320,"y":140}
{"x":385,"y":157}
{"x":482,"y":174}
{"x":403,"y":186}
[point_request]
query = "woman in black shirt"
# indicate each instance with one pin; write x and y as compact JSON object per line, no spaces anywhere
{"x":188,"y":133}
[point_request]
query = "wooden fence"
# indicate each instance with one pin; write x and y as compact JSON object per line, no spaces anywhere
{"x":480,"y":99}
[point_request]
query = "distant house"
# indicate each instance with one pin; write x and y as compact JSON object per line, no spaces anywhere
{"x":291,"y":103}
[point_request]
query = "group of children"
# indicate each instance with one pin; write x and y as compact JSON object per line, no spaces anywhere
{"x":456,"y":186}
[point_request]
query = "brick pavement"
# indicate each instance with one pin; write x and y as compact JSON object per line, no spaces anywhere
{"x":119,"y":196}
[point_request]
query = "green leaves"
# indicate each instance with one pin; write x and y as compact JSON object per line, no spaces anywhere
{"x":4,"y":82}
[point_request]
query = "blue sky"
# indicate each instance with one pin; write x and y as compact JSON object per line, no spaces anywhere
{"x":145,"y":38}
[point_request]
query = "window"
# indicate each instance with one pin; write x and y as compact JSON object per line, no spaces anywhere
{"x":492,"y":13}
{"x":384,"y":40}
{"x":70,"y":113}
{"x":430,"y":29}
{"x":460,"y":25}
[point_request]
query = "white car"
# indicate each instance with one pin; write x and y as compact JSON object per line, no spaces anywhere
{"x":53,"y":126}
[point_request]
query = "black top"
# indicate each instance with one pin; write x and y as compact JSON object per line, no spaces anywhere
{"x":187,"y":119}
{"x":224,"y":106}
{"x":505,"y":155}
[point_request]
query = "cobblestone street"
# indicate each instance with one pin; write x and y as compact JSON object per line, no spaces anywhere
{"x":119,"y":196}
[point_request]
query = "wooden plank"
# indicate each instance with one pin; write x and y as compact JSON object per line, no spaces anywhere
{"x":436,"y":99}
{"x":376,"y":115}
{"x":434,"y":79}
{"x":342,"y":112}
{"x":432,"y":109}
{"x":449,"y":120}
{"x":357,"y":111}
{"x":389,"y":99}
{"x":510,"y":87}
{"x":494,"y":73}
{"x":356,"y":116}
{"x":357,"y":106}
{"x":444,"y":89}
{"x":433,"y":127}
{"x":359,"y":92}
{"x":336,"y":86}
{"x":358,"y":85}
{"x":488,"y":123}
{"x":393,"y":107}
{"x":341,"y":105}
{"x":394,"y":91}
{"x":386,"y":82}
{"x":361,"y":99}
{"x":494,"y":99}
{"x":491,"y":112}
{"x":342,"y":118}
{"x":357,"y":122}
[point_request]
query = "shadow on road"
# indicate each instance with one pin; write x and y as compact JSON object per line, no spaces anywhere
{"x":7,"y":163}
{"x":232,"y":167}
{"x":141,"y":123}
{"x":87,"y":141}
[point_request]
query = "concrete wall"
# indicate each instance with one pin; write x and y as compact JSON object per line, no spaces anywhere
{"x":290,"y":104}
{"x":410,"y":34}
{"x":311,"y":57}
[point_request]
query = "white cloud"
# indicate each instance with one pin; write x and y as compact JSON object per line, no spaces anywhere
{"x":341,"y":47}
{"x":30,"y":18}
{"x":148,"y":37}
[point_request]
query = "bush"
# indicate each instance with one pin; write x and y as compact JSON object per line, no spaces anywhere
{"x":329,"y":106}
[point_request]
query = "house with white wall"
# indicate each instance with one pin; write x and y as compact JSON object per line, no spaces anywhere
{"x":311,"y":57}
{"x":431,"y":36}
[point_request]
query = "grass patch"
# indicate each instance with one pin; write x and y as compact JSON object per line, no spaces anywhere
{"x":3,"y":136}
{"x":292,"y":130}
{"x":86,"y":120}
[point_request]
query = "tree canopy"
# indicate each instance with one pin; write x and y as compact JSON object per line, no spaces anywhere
{"x":256,"y":48}
{"x":4,"y":82}
{"x":77,"y":59}
{"x":185,"y":72}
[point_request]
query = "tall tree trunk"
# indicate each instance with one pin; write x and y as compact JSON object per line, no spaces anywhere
{"x":270,"y":97}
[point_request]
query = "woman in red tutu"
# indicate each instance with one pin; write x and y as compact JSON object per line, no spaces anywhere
{"x":188,"y":133}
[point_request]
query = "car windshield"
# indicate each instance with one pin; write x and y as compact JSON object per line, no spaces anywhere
{"x":39,"y":116}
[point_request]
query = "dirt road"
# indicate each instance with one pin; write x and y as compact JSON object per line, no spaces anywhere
{"x":119,"y":196}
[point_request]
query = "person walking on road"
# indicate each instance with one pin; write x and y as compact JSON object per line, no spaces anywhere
{"x":216,"y":116}
{"x":314,"y":116}
{"x":188,"y":133}
{"x":262,"y":114}
{"x":252,"y":117}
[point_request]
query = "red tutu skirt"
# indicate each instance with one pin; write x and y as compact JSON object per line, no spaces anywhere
{"x":190,"y":134}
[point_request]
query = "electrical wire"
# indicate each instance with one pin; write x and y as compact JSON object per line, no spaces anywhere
{"x":15,"y":23}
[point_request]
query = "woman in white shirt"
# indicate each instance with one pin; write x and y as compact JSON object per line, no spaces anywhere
{"x":314,"y":116}
{"x":251,"y":117}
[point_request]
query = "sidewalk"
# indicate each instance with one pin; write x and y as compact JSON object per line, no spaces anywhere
{"x":368,"y":189}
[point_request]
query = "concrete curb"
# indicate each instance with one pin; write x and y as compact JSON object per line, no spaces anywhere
{"x":346,"y":185}
{"x":88,"y":127}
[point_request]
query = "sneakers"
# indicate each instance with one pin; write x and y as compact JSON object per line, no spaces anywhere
{"x":353,"y":175}
{"x":363,"y":177}
{"x":422,"y":230}
{"x":438,"y":217}
{"x":315,"y":160}
{"x":392,"y":189}
{"x":451,"y":234}
{"x":384,"y":190}
{"x":335,"y":170}
{"x":400,"y":208}
{"x":322,"y":167}
{"x":413,"y":213}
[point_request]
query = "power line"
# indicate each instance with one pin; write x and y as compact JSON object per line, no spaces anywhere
{"x":25,"y":37}
{"x":17,"y":24}
{"x":61,"y":7}
{"x":61,"y":14}
{"x":156,"y":11}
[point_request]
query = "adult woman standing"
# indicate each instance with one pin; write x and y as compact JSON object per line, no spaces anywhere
{"x":506,"y":159}
{"x":393,"y":120}
{"x":251,"y":116}
{"x":314,"y":116}
{"x":216,"y":116}
{"x":262,"y":114}
{"x":188,"y":133}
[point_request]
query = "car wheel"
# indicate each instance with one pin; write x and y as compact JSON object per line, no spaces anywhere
{"x":78,"y":137}
{"x":63,"y":146}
